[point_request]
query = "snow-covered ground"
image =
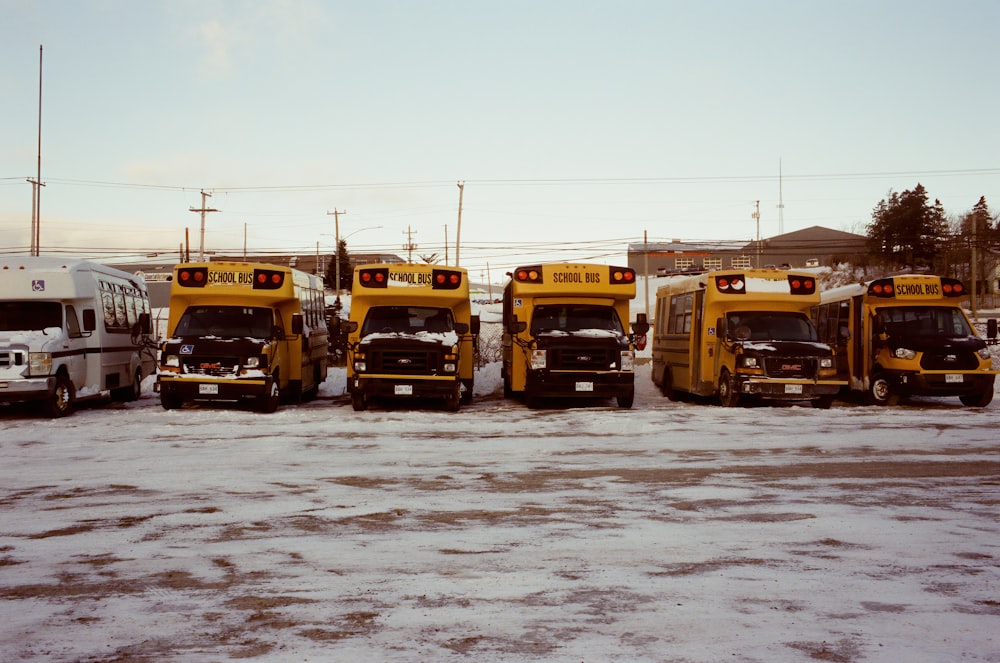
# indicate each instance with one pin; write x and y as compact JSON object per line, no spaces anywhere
{"x":668,"y":532}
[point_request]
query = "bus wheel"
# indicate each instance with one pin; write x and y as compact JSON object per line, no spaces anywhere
{"x":667,"y":384}
{"x":823,"y":402}
{"x":626,"y":398}
{"x":980,"y":398}
{"x":358,"y":401}
{"x":269,"y":403}
{"x":131,"y":392}
{"x":727,"y":390}
{"x":508,"y":392}
{"x":467,"y":394}
{"x":880,"y":391}
{"x":452,"y":401}
{"x":170,"y":401}
{"x":61,"y":402}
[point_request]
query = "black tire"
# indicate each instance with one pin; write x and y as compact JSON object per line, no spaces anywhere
{"x":453,"y":401}
{"x":626,"y":398}
{"x":270,"y":401}
{"x":667,"y":384}
{"x":131,"y":392}
{"x":467,"y":394}
{"x":881,"y":391}
{"x":170,"y":401}
{"x":60,"y":403}
{"x":823,"y":402}
{"x":728,"y":396}
{"x":358,"y":401}
{"x":980,"y":398}
{"x":507,"y":391}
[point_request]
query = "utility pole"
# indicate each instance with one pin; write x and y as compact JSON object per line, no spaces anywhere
{"x":975,"y":257}
{"x":645,"y":266}
{"x":756,"y":217}
{"x":458,"y":231}
{"x":336,"y":252}
{"x":203,"y":210}
{"x":446,"y":243}
{"x":36,"y":184}
{"x":410,"y":247}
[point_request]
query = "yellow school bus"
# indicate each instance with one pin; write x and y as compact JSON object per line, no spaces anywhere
{"x":564,"y":333}
{"x":243,"y":331}
{"x":739,"y":334}
{"x":411,"y":335}
{"x":906,"y":335}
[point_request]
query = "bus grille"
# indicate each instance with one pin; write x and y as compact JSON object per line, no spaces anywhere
{"x":958,"y":360}
{"x":13,"y":358}
{"x":219,"y":367}
{"x":790,"y":367}
{"x":404,"y":362}
{"x":583,"y":358}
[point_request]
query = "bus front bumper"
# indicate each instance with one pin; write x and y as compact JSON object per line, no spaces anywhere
{"x":200,"y":389}
{"x":569,"y":384}
{"x":19,"y":390}
{"x":941,"y":383}
{"x":791,"y":390}
{"x":389,"y":386}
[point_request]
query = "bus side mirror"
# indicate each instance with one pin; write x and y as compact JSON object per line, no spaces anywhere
{"x":515,"y":326}
{"x":720,"y":328}
{"x":991,"y":329}
{"x":640,"y":326}
{"x":461,"y":328}
{"x":474,"y":328}
{"x":89,"y":320}
{"x":349,"y":326}
{"x":298,"y":326}
{"x":145,"y":324}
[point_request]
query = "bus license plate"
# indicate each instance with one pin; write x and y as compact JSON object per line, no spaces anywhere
{"x":584,"y":386}
{"x":953,"y":377}
{"x":404,"y":390}
{"x":793,"y":389}
{"x":209,"y":389}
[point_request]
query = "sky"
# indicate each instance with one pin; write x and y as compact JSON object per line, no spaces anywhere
{"x":575,"y":127}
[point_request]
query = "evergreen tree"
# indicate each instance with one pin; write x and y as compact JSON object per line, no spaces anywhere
{"x":907,"y":231}
{"x":346,"y":271}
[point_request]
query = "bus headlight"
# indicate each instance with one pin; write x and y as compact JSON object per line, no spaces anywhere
{"x":904,"y":353}
{"x":537,"y":359}
{"x":984,"y":353}
{"x":748,"y":362}
{"x":252,"y":362}
{"x":450,"y":364}
{"x":39,"y":363}
{"x":627,"y":362}
{"x":826,"y":362}
{"x":360,"y":365}
{"x":827,"y":367}
{"x":172,"y":361}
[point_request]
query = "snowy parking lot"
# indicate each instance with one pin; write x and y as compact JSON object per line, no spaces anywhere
{"x":669,"y":532}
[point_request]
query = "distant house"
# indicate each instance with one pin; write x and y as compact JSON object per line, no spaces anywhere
{"x":810,"y":247}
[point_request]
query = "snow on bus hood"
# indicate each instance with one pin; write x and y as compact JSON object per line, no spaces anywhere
{"x":583,"y":333}
{"x":444,"y":338}
{"x":27,"y":337}
{"x":786,"y":346}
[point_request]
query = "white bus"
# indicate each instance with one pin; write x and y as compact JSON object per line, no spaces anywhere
{"x":71,"y":330}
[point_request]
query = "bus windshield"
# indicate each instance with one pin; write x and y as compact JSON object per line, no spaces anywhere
{"x":925,"y":321}
{"x":568,"y":318}
{"x":407,"y":320}
{"x":226,"y":322}
{"x":30,"y":316}
{"x":770,"y":326}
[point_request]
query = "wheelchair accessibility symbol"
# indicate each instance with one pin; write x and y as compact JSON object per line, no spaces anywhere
{"x":38,"y":285}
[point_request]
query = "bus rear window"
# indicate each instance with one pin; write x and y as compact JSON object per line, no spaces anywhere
{"x":30,"y":316}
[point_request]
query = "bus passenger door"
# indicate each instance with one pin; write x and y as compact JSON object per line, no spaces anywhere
{"x":697,"y":343}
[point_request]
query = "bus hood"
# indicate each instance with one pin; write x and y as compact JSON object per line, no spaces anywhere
{"x":935,"y":343}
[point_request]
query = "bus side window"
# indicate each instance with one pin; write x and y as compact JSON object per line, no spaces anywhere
{"x":72,"y":322}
